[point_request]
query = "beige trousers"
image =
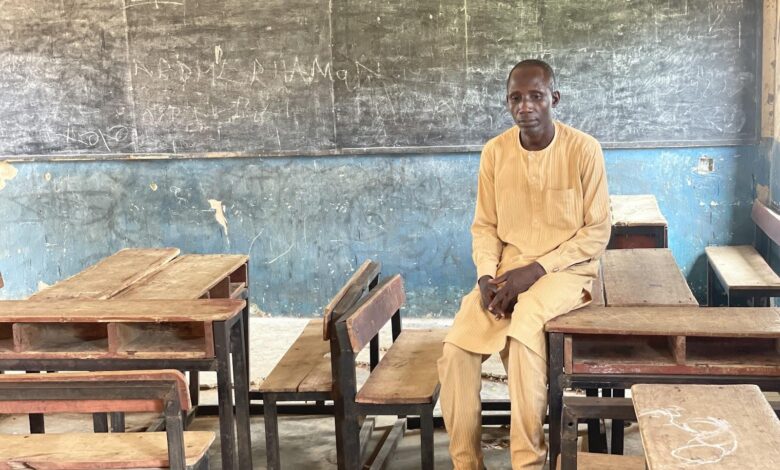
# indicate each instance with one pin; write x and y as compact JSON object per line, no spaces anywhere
{"x":460,"y":373}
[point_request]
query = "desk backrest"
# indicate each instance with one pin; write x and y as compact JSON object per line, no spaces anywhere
{"x":375,"y":309}
{"x":13,"y":402}
{"x":363,"y":279}
{"x":767,"y":220}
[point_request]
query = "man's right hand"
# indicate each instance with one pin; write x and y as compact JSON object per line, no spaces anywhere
{"x":487,"y":290}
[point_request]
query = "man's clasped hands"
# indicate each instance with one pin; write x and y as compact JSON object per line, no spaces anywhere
{"x":499,"y":295}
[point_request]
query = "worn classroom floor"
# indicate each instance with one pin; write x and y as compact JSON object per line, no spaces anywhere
{"x":308,"y":442}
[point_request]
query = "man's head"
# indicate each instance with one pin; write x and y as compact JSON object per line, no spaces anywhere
{"x":531,"y":94}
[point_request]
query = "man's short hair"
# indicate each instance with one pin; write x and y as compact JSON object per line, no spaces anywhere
{"x":548,"y":71}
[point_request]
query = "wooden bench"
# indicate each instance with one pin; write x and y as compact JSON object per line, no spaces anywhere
{"x":742,"y":272}
{"x":304,"y":372}
{"x":101,"y":392}
{"x":637,"y":222}
{"x":708,"y":426}
{"x":406,"y":381}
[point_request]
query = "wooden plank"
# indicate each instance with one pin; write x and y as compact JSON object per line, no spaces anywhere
{"x":742,"y":267}
{"x":589,"y":461}
{"x":320,"y":378}
{"x":306,"y":353}
{"x":754,"y":322}
{"x":187,"y":277}
{"x":110,"y":275}
{"x":713,"y":426}
{"x":349,"y":293}
{"x":677,"y":346}
{"x":647,"y":277}
{"x":568,"y":353}
{"x":165,"y":375}
{"x":374,"y":311}
{"x":365,"y":436}
{"x":636,"y":210}
{"x":170,"y":339}
{"x":407,"y":373}
{"x":767,"y":220}
{"x":389,"y":445}
{"x":2,"y":283}
{"x":80,"y":451}
{"x":104,"y":311}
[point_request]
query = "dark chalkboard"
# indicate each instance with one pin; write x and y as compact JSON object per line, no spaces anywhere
{"x":278,"y":77}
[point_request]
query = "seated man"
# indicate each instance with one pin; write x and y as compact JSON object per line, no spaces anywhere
{"x":541,"y":222}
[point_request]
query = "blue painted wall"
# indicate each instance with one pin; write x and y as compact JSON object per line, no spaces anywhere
{"x":307,"y":222}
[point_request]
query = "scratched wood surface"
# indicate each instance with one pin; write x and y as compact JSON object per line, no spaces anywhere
{"x":307,"y":355}
{"x":103,"y":311}
{"x":742,"y":267}
{"x":80,"y":451}
{"x":755,"y":322}
{"x":636,"y":210}
{"x":644,"y":277}
{"x":375,"y":310}
{"x":94,"y":406}
{"x":715,"y":427}
{"x":591,"y":461}
{"x":110,"y":275}
{"x":186,"y":277}
{"x":407,"y":373}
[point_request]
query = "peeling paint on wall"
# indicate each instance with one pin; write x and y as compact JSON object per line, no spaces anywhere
{"x":7,"y":173}
{"x":762,"y":193}
{"x":219,"y":214}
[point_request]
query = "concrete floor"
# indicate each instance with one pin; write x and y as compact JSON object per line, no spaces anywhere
{"x":308,"y":442}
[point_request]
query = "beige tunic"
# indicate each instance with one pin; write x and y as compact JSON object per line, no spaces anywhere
{"x":550,"y":206}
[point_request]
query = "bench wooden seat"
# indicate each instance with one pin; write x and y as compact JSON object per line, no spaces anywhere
{"x":741,"y":267}
{"x":102,"y":392}
{"x":407,"y":373}
{"x":743,"y":271}
{"x":716,"y":427}
{"x":589,"y":461}
{"x":305,"y":367}
{"x":82,"y":451}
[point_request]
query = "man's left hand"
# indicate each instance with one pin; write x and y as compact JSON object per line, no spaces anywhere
{"x":515,"y":282}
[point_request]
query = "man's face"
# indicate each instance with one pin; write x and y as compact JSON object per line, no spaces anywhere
{"x":529,"y":98}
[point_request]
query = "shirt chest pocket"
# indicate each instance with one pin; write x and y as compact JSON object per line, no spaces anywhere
{"x":560,"y":209}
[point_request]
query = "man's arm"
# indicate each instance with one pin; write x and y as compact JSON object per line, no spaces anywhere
{"x":590,"y":241}
{"x":486,"y":246}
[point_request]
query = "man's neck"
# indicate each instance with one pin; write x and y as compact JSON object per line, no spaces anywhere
{"x":537,"y":140}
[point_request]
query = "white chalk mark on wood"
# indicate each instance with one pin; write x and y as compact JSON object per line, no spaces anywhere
{"x":708,"y":433}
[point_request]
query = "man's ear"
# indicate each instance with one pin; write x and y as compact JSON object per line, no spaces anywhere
{"x":556,"y":98}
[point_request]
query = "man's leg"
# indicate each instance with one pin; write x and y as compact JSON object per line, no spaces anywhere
{"x":460,"y":374}
{"x":527,"y":376}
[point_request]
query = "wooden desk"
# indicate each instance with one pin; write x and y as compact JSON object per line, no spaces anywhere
{"x":159,"y":274}
{"x":616,"y":347}
{"x":644,"y":277}
{"x":717,"y":427}
{"x":637,"y":222}
{"x":79,"y":335}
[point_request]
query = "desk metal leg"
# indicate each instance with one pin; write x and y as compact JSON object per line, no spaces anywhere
{"x":241,"y":389}
{"x":227,"y":429}
{"x":556,"y":395}
{"x":618,"y":426}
